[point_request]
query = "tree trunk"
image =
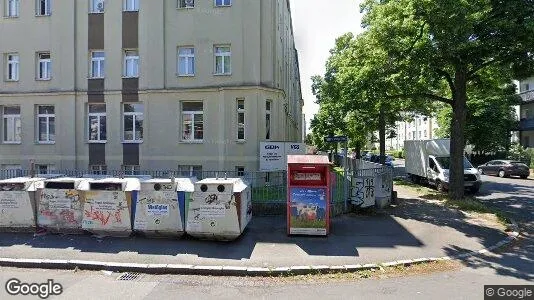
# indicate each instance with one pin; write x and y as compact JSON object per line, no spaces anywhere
{"x":457,"y":146}
{"x":382,"y":135}
{"x":358,"y":150}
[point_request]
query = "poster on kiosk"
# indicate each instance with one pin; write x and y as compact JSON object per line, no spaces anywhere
{"x":308,"y":199}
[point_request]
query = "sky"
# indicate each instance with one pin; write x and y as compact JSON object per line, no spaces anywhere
{"x":316,"y":25}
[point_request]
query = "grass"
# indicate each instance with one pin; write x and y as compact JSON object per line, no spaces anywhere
{"x":296,"y":223}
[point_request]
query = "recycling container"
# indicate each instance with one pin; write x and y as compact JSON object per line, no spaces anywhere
{"x":160,"y":207}
{"x":61,"y":204}
{"x":108,"y":206}
{"x":18,"y":204}
{"x":219,"y":209}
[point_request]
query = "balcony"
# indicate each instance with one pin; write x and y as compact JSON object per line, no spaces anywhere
{"x":526,"y":124}
{"x":527,"y":97}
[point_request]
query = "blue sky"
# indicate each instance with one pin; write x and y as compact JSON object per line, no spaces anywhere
{"x":316,"y":25}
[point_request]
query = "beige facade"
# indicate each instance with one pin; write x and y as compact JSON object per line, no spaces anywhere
{"x":526,"y":112}
{"x":260,"y":66}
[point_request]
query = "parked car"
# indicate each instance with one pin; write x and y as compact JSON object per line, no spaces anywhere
{"x":504,"y":168}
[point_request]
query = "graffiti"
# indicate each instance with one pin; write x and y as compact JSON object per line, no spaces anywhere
{"x":363,"y":191}
{"x":68,"y":216}
{"x":369,"y":187}
{"x":46,"y":213}
{"x":103,"y":217}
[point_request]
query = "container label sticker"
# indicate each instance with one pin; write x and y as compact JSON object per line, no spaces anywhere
{"x":157,"y":209}
{"x":194,"y":226}
{"x":212,"y":211}
{"x":8,"y":200}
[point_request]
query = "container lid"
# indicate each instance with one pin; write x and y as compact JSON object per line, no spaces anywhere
{"x":308,"y":159}
{"x":31,"y":184}
{"x":237,"y":183}
{"x":128,"y":184}
{"x":81,"y":184}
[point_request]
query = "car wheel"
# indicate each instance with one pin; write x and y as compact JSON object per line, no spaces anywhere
{"x":524,"y":176}
{"x":440,"y":186}
{"x":480,"y":171}
{"x":502,"y":174}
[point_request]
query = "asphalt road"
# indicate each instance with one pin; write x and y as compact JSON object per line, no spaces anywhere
{"x":513,"y":265}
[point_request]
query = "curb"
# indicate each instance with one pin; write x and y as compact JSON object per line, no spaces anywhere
{"x":239,"y":270}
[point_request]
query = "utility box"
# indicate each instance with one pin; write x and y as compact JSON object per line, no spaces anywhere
{"x":160,"y":206}
{"x":108,"y":206}
{"x":61,"y":203}
{"x":308,"y":195}
{"x":219,"y":209}
{"x":18,"y":204}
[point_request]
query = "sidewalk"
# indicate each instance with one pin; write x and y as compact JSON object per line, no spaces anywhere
{"x":414,"y":229}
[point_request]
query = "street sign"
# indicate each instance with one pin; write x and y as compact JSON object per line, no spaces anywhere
{"x":335,"y":139}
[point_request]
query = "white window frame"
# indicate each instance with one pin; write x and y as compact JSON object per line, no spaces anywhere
{"x":130,"y":59}
{"x":93,"y":6}
{"x":12,"y":66}
{"x":99,"y":116}
{"x":49,"y":168}
{"x":186,"y":57}
{"x":192,"y":115}
{"x":135,"y":116}
{"x":223,"y":3}
{"x":12,"y":8}
{"x":130,"y":5}
{"x":47,"y":8}
{"x":98,"y":169}
{"x":268,"y":116}
{"x":241,"y":111}
{"x":190,"y":170}
{"x":100,"y":62}
{"x":224,"y":55}
{"x":131,"y":169}
{"x":240,"y":171}
{"x":9,"y":126}
{"x":47,"y":117}
{"x":183,"y":4}
{"x":46,"y":65}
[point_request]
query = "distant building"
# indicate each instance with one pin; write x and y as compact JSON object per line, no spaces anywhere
{"x":526,"y":112}
{"x":421,"y":128}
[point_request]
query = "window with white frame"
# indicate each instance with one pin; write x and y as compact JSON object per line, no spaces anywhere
{"x":190,"y":171}
{"x":131,"y":63}
{"x":131,"y":5}
{"x":46,"y":120}
{"x":268,"y":105}
{"x":43,"y":8}
{"x":98,"y":169}
{"x":11,"y":170}
{"x":240,"y":171}
{"x":44,"y":169}
{"x":133,"y":122}
{"x":186,"y":3}
{"x":223,"y":60}
{"x":96,"y":6}
{"x":192,"y":121}
{"x":240,"y":119}
{"x":12,"y":126}
{"x":44,"y":66}
{"x":131,"y":169}
{"x":186,"y":61}
{"x":12,"y":63}
{"x":12,"y":8}
{"x":97,"y":123}
{"x":223,"y":2}
{"x":98,"y":63}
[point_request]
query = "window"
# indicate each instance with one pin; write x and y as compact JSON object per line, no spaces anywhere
{"x":186,"y":61}
{"x":131,"y":169}
{"x":44,"y":66}
{"x":12,"y":8}
{"x":223,"y":60}
{"x":98,"y":59}
{"x":223,"y":2}
{"x":526,"y":141}
{"x":426,"y":135}
{"x":97,"y":123}
{"x":186,"y":3}
{"x":240,"y":119}
{"x":268,"y":104}
{"x":98,"y":169}
{"x":240,"y":171}
{"x":131,"y":5}
{"x":43,"y":8}
{"x":190,"y":171}
{"x":10,"y":171}
{"x":420,"y":134}
{"x":131,"y":63}
{"x":96,"y":6}
{"x":192,"y":121}
{"x":12,"y":67}
{"x":46,"y":120}
{"x":133,"y":122}
{"x":45,"y":169}
{"x":12,"y":126}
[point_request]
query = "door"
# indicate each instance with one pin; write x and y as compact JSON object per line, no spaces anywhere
{"x":432,"y":172}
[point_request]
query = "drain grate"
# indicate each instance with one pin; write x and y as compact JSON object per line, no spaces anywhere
{"x":129,"y":276}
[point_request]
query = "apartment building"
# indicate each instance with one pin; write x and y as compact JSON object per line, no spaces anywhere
{"x":420,"y":128}
{"x":526,"y":112}
{"x":146,"y":84}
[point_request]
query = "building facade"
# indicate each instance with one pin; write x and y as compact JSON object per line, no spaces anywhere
{"x":420,"y":128}
{"x":526,"y":112}
{"x":146,"y":84}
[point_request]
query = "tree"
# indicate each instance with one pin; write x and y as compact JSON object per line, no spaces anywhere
{"x":436,"y":50}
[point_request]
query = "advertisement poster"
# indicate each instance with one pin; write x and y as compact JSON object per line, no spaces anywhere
{"x":308,"y":211}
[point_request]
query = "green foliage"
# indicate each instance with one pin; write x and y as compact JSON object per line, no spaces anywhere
{"x":517,"y":152}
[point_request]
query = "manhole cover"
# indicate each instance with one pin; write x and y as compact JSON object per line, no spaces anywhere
{"x":129,"y":276}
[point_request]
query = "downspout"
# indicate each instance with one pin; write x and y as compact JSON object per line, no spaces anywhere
{"x":75,"y":88}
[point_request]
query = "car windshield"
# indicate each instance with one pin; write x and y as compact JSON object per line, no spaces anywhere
{"x":445,"y":163}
